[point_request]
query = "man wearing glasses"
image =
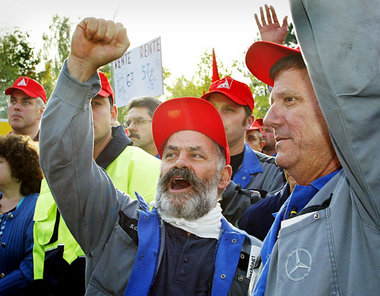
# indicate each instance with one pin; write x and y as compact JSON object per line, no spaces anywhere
{"x":139,"y":123}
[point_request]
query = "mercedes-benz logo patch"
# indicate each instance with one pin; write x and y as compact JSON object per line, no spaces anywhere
{"x":298,"y":264}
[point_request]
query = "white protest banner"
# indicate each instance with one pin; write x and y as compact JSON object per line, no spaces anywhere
{"x":139,"y":73}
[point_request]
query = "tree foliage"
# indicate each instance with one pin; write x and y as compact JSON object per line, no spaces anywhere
{"x":56,"y":48}
{"x":200,"y":81}
{"x":291,"y":38}
{"x":202,"y":78}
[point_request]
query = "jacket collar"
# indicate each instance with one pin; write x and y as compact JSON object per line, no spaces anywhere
{"x":113,"y":149}
{"x":250,"y":165}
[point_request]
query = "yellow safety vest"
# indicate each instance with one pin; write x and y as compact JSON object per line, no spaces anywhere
{"x":132,"y":171}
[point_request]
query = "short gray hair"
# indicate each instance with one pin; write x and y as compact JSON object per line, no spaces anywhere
{"x":40,"y":102}
{"x":221,"y":158}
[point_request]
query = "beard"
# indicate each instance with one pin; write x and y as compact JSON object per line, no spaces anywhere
{"x":190,"y":205}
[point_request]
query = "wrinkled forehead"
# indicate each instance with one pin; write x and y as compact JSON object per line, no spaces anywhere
{"x":19,"y":94}
{"x":218,"y":98}
{"x":291,"y":83}
{"x":191,"y":140}
{"x":253,"y":132}
{"x":139,"y":112}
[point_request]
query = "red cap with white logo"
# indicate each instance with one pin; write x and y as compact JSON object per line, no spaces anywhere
{"x":235,"y":90}
{"x":29,"y":86}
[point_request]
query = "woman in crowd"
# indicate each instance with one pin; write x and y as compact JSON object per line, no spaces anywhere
{"x":20,"y":179}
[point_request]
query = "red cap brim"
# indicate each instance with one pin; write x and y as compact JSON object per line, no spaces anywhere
{"x":28,"y":86}
{"x":105,"y":93}
{"x":262,"y":55}
{"x":188,"y":114}
{"x":106,"y":89}
{"x":27,"y":91}
{"x":255,"y":126}
{"x":230,"y":95}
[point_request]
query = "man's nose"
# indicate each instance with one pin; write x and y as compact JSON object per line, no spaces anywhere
{"x":16,"y":106}
{"x":181,"y":161}
{"x":272,"y":117}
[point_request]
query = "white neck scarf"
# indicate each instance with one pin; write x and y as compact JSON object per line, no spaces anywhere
{"x":208,"y":226}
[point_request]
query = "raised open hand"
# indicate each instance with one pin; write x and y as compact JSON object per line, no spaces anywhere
{"x":269,"y":28}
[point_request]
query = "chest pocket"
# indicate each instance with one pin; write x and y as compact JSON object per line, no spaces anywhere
{"x":129,"y":225}
{"x":304,"y":253}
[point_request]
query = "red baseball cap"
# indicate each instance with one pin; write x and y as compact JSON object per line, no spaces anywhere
{"x":262,"y":55}
{"x":188,"y":114}
{"x":237,"y":91}
{"x":256,"y":125}
{"x":106,"y":90}
{"x":260,"y":121}
{"x":29,"y":86}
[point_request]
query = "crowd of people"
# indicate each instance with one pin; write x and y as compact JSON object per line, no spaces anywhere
{"x":195,"y":196}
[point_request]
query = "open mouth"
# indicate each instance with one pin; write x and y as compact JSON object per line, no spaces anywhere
{"x":179,"y":184}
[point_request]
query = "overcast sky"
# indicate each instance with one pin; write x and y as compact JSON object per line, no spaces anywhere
{"x":187,"y":28}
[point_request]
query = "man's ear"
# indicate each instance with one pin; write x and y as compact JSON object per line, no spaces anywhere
{"x":225,"y":178}
{"x":113,"y":115}
{"x":249,"y":121}
{"x":42,"y":109}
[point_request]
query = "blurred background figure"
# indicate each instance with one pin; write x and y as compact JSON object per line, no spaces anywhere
{"x":25,"y":107}
{"x":268,"y":137}
{"x":254,"y":135}
{"x":20,"y":180}
{"x":139,"y":123}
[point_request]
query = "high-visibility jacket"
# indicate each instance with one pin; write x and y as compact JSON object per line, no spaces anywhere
{"x":132,"y":171}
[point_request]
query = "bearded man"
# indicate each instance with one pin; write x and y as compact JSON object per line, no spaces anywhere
{"x":183,"y":246}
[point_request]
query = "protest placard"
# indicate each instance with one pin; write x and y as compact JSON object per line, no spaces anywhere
{"x":139,"y":73}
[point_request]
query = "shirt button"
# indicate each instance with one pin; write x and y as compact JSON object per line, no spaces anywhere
{"x":2,"y":275}
{"x":244,"y":177}
{"x":240,"y":278}
{"x":3,"y":244}
{"x":182,"y":273}
{"x":234,"y":241}
{"x":10,"y":216}
{"x":185,"y":259}
{"x":316,"y":216}
{"x":222,"y":276}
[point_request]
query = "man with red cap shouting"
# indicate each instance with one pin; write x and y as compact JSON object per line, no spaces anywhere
{"x":58,"y":259}
{"x":325,"y":237}
{"x":183,"y":246}
{"x":25,"y":107}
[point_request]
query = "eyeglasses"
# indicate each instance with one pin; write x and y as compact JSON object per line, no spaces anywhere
{"x":137,"y":121}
